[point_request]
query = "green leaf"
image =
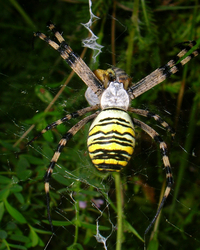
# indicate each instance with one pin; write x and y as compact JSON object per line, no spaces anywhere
{"x":34,"y":237}
{"x":17,"y":246}
{"x":153,"y":245}
{"x":2,"y":210}
{"x":15,"y":213}
{"x":22,"y":172}
{"x":5,"y":180}
{"x":19,"y":197}
{"x":48,"y":136}
{"x":61,"y":179}
{"x":4,"y":193}
{"x":58,"y":223}
{"x":8,"y":146}
{"x":128,"y":227}
{"x":20,"y":238}
{"x":41,"y":231}
{"x":34,"y":160}
{"x":16,"y":188}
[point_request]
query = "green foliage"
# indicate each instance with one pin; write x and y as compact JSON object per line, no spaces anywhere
{"x":31,"y":75}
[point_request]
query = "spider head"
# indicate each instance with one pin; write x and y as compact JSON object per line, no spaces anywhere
{"x":113,"y":74}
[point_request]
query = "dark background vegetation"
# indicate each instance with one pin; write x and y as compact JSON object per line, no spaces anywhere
{"x":32,"y":73}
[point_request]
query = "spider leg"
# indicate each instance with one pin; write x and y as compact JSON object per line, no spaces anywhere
{"x":160,"y":74}
{"x":156,"y":117}
{"x":73,"y":60}
{"x":163,"y":147}
{"x":56,"y":155}
{"x":64,"y":119}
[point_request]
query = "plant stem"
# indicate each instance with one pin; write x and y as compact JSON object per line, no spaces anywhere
{"x":119,"y":210}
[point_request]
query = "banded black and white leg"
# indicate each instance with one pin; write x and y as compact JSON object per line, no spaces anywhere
{"x":65,"y":139}
{"x":161,"y":73}
{"x":156,"y":117}
{"x":73,"y":60}
{"x":169,"y":179}
{"x":66,"y":118}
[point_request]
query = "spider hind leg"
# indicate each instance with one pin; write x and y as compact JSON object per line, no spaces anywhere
{"x":65,"y":139}
{"x":156,"y":117}
{"x":66,"y":118}
{"x":169,"y":179}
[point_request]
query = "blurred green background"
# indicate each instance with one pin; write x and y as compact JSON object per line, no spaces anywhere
{"x":138,"y":36}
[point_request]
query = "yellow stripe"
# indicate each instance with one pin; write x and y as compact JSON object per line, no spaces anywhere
{"x":110,"y":161}
{"x":111,"y":146}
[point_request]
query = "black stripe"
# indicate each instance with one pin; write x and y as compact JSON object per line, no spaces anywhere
{"x":170,"y":181}
{"x":66,"y":137}
{"x":64,"y":45}
{"x":52,"y":125}
{"x":46,"y":39}
{"x":60,"y":147}
{"x":109,"y":142}
{"x":110,"y":123}
{"x":168,"y":170}
{"x":114,"y":157}
{"x":157,"y":118}
{"x":109,"y":154}
{"x":72,"y":56}
{"x":75,"y":115}
{"x":64,"y":119}
{"x":47,"y":175}
{"x":157,"y":138}
{"x":118,"y":109}
{"x":112,"y":137}
{"x":175,"y":59}
{"x":188,"y":48}
{"x":193,"y":43}
{"x":191,"y":56}
{"x":110,"y":132}
{"x":183,"y":45}
{"x":109,"y":166}
{"x":179,"y":66}
{"x":114,"y":118}
{"x":166,"y":71}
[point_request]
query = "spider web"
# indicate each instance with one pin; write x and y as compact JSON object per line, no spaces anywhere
{"x":91,"y":41}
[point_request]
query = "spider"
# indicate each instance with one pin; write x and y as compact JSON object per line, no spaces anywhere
{"x":111,"y":137}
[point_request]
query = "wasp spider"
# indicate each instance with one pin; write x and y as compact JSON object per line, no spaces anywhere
{"x":111,"y":138}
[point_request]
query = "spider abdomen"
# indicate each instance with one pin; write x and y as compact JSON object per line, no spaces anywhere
{"x":111,"y":139}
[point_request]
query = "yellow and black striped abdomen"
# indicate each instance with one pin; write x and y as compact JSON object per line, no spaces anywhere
{"x":111,"y":140}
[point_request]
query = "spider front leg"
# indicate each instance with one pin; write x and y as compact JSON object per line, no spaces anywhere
{"x":169,"y":179}
{"x":73,"y":60}
{"x":56,"y":155}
